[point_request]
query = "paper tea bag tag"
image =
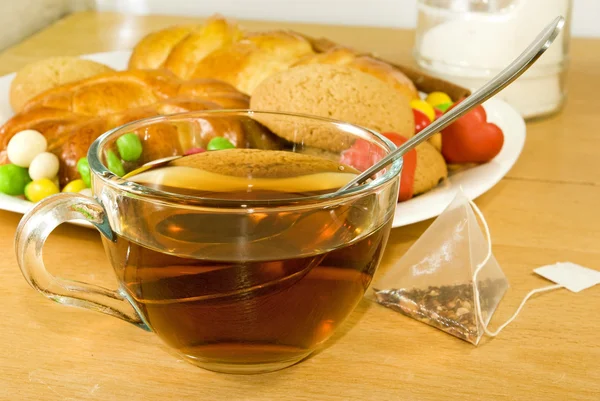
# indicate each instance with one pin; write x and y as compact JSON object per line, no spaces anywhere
{"x":573,"y":277}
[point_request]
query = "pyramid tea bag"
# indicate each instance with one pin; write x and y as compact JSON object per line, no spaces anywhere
{"x":450,"y":279}
{"x":434,"y":281}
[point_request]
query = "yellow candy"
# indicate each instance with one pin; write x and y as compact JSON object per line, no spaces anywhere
{"x":37,"y":190}
{"x":74,"y":186}
{"x":423,"y":107}
{"x":436,"y":98}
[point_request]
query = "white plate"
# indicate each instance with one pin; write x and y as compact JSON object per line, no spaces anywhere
{"x":474,"y":181}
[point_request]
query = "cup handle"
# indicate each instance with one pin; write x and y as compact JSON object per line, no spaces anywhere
{"x":32,"y":232}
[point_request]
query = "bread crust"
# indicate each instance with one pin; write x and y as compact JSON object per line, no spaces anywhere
{"x":72,"y":116}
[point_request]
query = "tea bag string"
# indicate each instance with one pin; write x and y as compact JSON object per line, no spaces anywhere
{"x":478,"y":269}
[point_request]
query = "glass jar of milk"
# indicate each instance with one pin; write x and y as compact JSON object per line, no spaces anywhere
{"x":469,"y":41}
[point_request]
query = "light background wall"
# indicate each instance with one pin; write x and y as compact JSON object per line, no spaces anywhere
{"x":388,"y":13}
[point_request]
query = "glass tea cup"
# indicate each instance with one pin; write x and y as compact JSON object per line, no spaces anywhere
{"x":229,"y":282}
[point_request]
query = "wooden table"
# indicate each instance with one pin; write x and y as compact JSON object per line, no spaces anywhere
{"x":545,"y":210}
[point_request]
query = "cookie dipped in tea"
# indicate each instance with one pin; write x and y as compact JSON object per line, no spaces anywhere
{"x":238,"y":283}
{"x":247,"y":174}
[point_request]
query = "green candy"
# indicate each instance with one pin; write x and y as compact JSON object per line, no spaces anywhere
{"x":219,"y":143}
{"x":84,"y":171}
{"x":130,"y":147}
{"x":114,"y":163}
{"x":13,"y":179}
{"x":443,"y":107}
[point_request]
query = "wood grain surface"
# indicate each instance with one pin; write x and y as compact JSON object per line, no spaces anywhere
{"x":546,"y":210}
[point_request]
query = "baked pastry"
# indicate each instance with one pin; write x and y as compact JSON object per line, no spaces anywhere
{"x":430,"y":170}
{"x":219,"y":49}
{"x":258,"y":163}
{"x":214,"y":35}
{"x":180,"y":48}
{"x":246,"y":63}
{"x":423,"y":82}
{"x":337,"y":92}
{"x":343,"y":93}
{"x":383,"y":71}
{"x":72,"y":116}
{"x":152,"y":51}
{"x":48,"y":73}
{"x":124,"y":90}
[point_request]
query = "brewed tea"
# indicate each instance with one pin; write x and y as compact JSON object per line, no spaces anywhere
{"x":257,"y":288}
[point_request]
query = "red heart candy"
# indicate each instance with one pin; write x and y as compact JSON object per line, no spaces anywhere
{"x":471,"y":139}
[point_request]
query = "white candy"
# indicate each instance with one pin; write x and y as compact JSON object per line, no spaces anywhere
{"x":86,"y":192}
{"x":44,"y":165}
{"x":25,"y":146}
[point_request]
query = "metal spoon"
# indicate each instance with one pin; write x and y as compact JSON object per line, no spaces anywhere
{"x":514,"y":70}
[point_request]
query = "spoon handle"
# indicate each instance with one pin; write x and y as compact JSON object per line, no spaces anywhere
{"x":513,"y":71}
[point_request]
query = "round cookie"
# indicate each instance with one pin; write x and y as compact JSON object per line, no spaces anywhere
{"x":332,"y":91}
{"x":379,"y":69}
{"x":45,"y":74}
{"x":431,"y":168}
{"x":259,"y":163}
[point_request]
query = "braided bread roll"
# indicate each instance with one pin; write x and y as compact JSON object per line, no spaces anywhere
{"x":220,"y":49}
{"x":180,"y":48}
{"x":72,"y":116}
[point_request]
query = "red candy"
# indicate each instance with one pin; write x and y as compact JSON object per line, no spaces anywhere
{"x":421,"y":120}
{"x":194,"y":151}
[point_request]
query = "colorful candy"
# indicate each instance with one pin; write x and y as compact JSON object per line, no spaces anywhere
{"x":74,"y":186}
{"x":44,"y":165}
{"x":129,"y":147}
{"x":13,"y":179}
{"x":194,"y":151}
{"x":437,"y":98}
{"x":421,"y":120}
{"x":84,"y":170}
{"x":219,"y":143}
{"x":114,"y":164}
{"x":423,"y":107}
{"x":25,"y":146}
{"x":37,"y":190}
{"x":443,"y":107}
